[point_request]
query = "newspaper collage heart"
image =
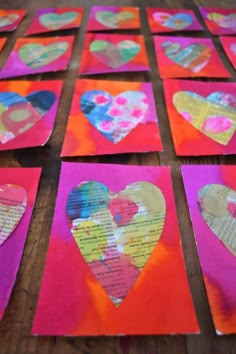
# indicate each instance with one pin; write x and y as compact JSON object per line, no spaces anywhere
{"x":114,"y":20}
{"x":8,"y":19}
{"x":114,"y":117}
{"x":13,"y":202}
{"x":53,"y":21}
{"x":224,"y":21}
{"x":177,"y":21}
{"x":214,"y":115}
{"x":217,"y":205}
{"x":116,"y":233}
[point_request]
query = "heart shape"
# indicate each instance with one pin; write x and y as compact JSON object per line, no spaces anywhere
{"x":13,"y":202}
{"x":116,"y":232}
{"x":37,"y":55}
{"x":233,"y":48}
{"x":114,"y":20}
{"x":54,"y":21}
{"x":177,"y":21}
{"x":114,"y":117}
{"x":114,"y":55}
{"x":214,"y":115}
{"x":8,"y":19}
{"x":193,"y":57}
{"x":19,"y":114}
{"x":228,"y":21}
{"x":217,"y":204}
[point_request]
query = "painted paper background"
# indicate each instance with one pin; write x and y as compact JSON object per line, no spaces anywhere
{"x":217,"y":263}
{"x":188,"y":140}
{"x":91,"y":65}
{"x":38,"y":134}
{"x":66,"y":15}
{"x":101,"y":19}
{"x":229,"y":45}
{"x":7,"y":21}
{"x":15,"y":66}
{"x":2,"y":43}
{"x":169,"y":69}
{"x":227,"y":16}
{"x":163,"y":20}
{"x":72,"y":302}
{"x":82,"y":137}
{"x":11,"y":250}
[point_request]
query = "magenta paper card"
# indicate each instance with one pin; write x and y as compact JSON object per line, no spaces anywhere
{"x":10,"y":19}
{"x":202,"y":116}
{"x":27,"y":112}
{"x":105,"y":53}
{"x":115,"y":263}
{"x":171,"y":20}
{"x":211,"y":196}
{"x":219,"y":21}
{"x":55,"y":19}
{"x":106,"y":18}
{"x":188,"y":57}
{"x":229,"y":45}
{"x":18,"y":189}
{"x":38,"y":55}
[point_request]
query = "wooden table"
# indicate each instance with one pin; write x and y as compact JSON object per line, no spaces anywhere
{"x":15,"y":326}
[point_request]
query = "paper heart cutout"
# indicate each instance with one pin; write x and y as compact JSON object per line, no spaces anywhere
{"x":53,"y":21}
{"x":193,"y":57}
{"x":13,"y":202}
{"x":114,"y":117}
{"x":37,"y":55}
{"x":228,"y":21}
{"x":114,"y":20}
{"x":217,"y":204}
{"x":233,"y":48}
{"x":19,"y":114}
{"x":116,"y":232}
{"x":8,"y":19}
{"x":177,"y":21}
{"x":114,"y":55}
{"x":214,"y":115}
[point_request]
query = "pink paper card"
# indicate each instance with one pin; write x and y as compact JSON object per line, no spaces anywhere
{"x":211,"y":196}
{"x":219,"y":21}
{"x":188,"y":57}
{"x":171,"y":20}
{"x":110,"y":117}
{"x":27,"y":112}
{"x":115,"y":263}
{"x":2,"y":43}
{"x":106,"y":18}
{"x":105,"y":53}
{"x":202,"y":116}
{"x":55,"y":19}
{"x":10,"y":19}
{"x":38,"y":55}
{"x":229,"y":45}
{"x":18,"y":188}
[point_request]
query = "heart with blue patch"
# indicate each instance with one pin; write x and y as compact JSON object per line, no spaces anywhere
{"x":178,"y":21}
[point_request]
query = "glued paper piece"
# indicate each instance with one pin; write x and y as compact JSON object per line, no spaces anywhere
{"x":212,"y":203}
{"x":105,"y":119}
{"x":229,"y":45}
{"x":188,"y":57}
{"x":114,"y":243}
{"x":202,"y":117}
{"x":18,"y":188}
{"x":219,"y":21}
{"x":38,"y":55}
{"x":55,"y":19}
{"x":10,"y":19}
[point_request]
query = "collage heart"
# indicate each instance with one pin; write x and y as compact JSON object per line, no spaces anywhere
{"x":114,"y":20}
{"x":18,"y":114}
{"x":177,"y":21}
{"x":8,"y":19}
{"x":114,"y":55}
{"x":217,"y":205}
{"x":13,"y":203}
{"x":114,"y":117}
{"x":214,"y":115}
{"x":53,"y":21}
{"x":224,"y":21}
{"x":116,"y":233}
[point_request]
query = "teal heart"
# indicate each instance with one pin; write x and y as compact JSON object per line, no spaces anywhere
{"x":54,"y":21}
{"x":113,"y":20}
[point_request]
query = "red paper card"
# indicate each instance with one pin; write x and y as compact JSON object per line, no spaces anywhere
{"x":219,"y":21}
{"x":10,"y":19}
{"x":229,"y":45}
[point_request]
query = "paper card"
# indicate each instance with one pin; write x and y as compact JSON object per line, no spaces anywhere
{"x":104,"y":53}
{"x":27,"y":112}
{"x":18,"y":188}
{"x":10,"y":19}
{"x":188,"y":57}
{"x":212,"y":203}
{"x":202,"y":116}
{"x":131,"y":274}
{"x":219,"y":21}
{"x":229,"y":45}
{"x":55,"y":19}
{"x":106,"y":18}
{"x":38,"y":55}
{"x":171,"y":20}
{"x":2,"y":43}
{"x":110,"y":117}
